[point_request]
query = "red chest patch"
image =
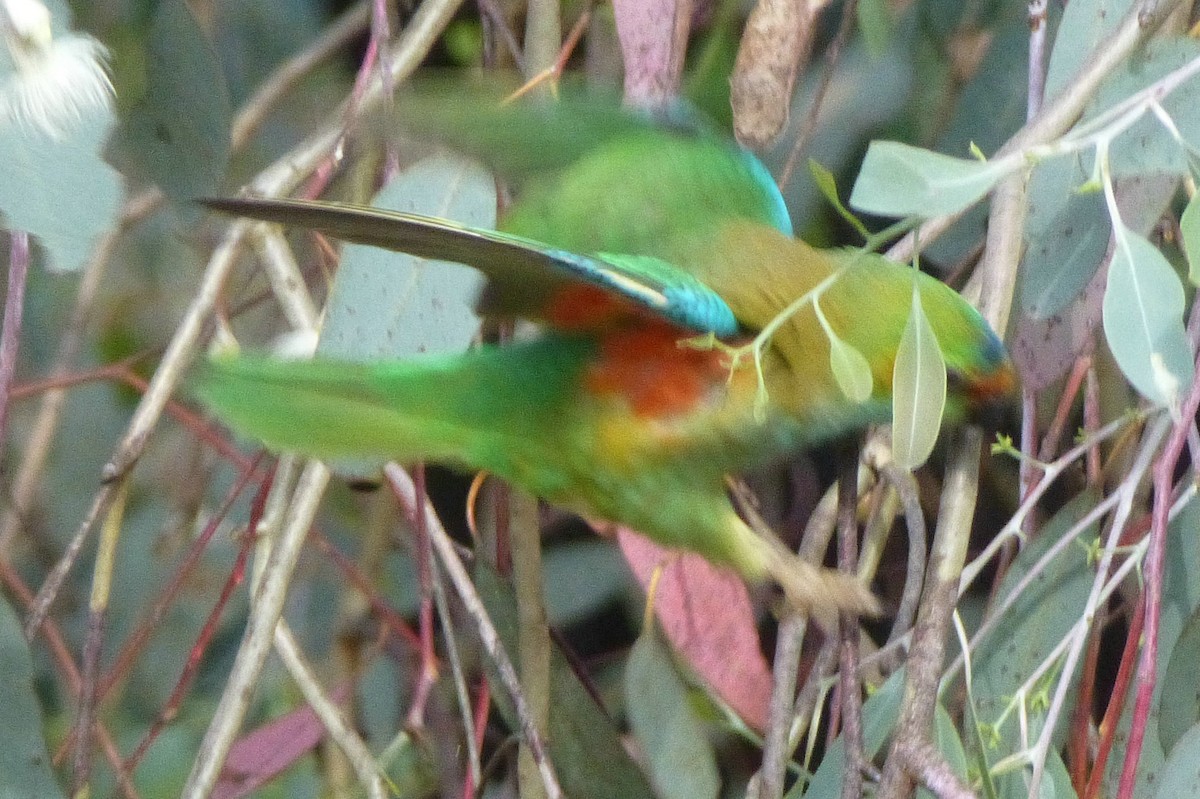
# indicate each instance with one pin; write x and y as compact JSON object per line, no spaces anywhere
{"x":647,"y":367}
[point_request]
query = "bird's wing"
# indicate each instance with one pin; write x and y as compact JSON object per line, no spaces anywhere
{"x":649,"y":284}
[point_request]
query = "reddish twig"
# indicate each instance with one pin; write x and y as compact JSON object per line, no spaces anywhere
{"x":1153,"y":568}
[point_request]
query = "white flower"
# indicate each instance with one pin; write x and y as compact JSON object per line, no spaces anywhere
{"x":52,"y":81}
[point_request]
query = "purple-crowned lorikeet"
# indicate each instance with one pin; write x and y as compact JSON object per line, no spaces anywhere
{"x":651,"y":253}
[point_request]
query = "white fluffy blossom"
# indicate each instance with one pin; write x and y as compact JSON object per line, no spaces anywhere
{"x":51,"y":81}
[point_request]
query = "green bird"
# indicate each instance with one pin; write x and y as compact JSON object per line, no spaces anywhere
{"x":653,"y":254}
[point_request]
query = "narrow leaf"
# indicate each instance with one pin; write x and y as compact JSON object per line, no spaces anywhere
{"x":1189,"y":228}
{"x":850,"y":370}
{"x":827,"y":185}
{"x":919,"y":390}
{"x":1143,"y":319}
{"x":901,"y":180}
{"x":680,"y":758}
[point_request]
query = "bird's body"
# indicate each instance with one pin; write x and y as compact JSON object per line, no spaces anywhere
{"x":627,"y":252}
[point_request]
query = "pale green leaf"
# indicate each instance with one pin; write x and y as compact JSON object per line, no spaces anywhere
{"x":1147,"y":146}
{"x":1178,"y":777}
{"x":918,"y":390}
{"x":385,"y":304}
{"x":60,"y":189}
{"x":1143,"y":319}
{"x":24,"y":762}
{"x":1189,"y":228}
{"x":1180,"y":707}
{"x":901,"y":180}
{"x":850,"y":369}
{"x":1066,"y":238}
{"x":585,"y":745}
{"x":679,"y":756}
{"x":879,"y":714}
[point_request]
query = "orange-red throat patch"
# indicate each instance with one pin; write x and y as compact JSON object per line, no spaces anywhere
{"x":646,"y":366}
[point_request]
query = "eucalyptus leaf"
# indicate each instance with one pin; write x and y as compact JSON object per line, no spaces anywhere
{"x":901,"y":180}
{"x":1066,"y":239}
{"x":850,"y":369}
{"x":1189,"y":228}
{"x":827,"y":185}
{"x":24,"y":761}
{"x":680,"y":758}
{"x":875,"y":22}
{"x":879,"y":714}
{"x":918,"y":390}
{"x":59,"y":188}
{"x":1180,"y":707}
{"x":390,"y":305}
{"x":1143,"y":319}
{"x":179,"y":134}
{"x":1148,"y":146}
{"x":1178,"y":777}
{"x":386,"y":304}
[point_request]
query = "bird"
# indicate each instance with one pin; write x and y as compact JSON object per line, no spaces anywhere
{"x":684,"y":335}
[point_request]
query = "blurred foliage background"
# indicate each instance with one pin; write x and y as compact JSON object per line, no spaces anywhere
{"x":125,"y":513}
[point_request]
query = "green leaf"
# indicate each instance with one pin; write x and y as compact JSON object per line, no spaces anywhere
{"x":680,"y":758}
{"x":902,"y":180}
{"x":918,"y":390}
{"x":24,"y":761}
{"x":1147,"y":146}
{"x":1177,"y":779}
{"x":850,"y":369}
{"x":179,"y":133}
{"x":1179,"y":709}
{"x":827,"y":185}
{"x":879,"y":712}
{"x":390,"y":305}
{"x":582,"y":578}
{"x":1189,"y":228}
{"x":1143,"y":319}
{"x":1066,"y":239}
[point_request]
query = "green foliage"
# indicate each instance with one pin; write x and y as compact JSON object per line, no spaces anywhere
{"x":919,"y":389}
{"x":179,"y":133}
{"x":918,"y":90}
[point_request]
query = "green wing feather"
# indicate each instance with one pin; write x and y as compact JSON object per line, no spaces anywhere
{"x":539,"y":270}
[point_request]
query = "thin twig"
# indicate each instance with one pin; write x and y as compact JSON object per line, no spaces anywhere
{"x":402,"y":486}
{"x":265,"y":612}
{"x":327,"y":710}
{"x":1153,"y":568}
{"x":10,"y":331}
{"x":848,"y":679}
{"x":942,"y":578}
